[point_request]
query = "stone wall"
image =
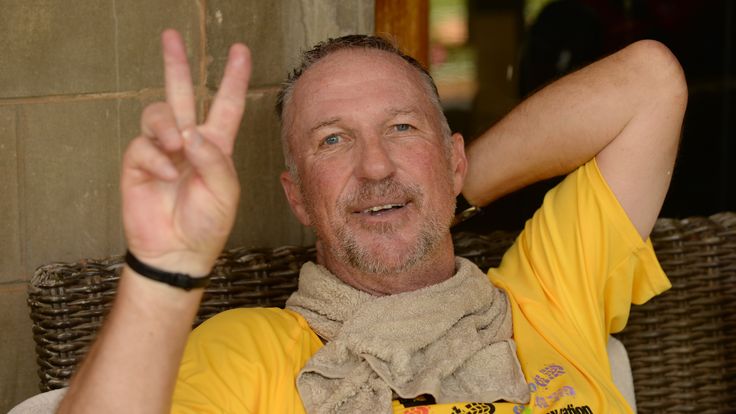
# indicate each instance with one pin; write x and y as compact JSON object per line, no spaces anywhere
{"x":73,"y":80}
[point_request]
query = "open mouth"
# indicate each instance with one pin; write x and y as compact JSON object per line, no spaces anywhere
{"x":382,"y":209}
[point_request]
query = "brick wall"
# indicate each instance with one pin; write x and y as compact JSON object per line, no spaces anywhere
{"x":73,"y":80}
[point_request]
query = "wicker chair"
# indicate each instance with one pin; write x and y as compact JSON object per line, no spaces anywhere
{"x":682,"y":344}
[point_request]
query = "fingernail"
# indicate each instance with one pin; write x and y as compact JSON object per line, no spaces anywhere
{"x":192,"y":137}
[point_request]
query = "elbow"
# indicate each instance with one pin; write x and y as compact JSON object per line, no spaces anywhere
{"x":662,"y":75}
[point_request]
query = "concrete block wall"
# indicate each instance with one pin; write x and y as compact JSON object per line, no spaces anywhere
{"x":73,"y":80}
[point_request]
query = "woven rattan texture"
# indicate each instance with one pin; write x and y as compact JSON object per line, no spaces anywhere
{"x":681,"y":344}
{"x":68,"y":301}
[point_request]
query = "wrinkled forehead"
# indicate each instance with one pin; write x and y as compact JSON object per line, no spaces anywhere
{"x":354,"y":75}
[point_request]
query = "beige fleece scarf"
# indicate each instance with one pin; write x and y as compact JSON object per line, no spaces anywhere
{"x":451,"y":340}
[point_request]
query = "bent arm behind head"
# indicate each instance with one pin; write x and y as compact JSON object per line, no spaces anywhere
{"x":626,"y":110}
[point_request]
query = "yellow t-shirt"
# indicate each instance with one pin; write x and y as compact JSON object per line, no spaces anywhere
{"x":570,"y":277}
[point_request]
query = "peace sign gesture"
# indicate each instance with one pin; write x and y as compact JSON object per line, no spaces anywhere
{"x":179,"y":187}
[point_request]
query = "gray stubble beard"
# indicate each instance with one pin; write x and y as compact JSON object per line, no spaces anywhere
{"x":359,"y":257}
{"x":349,"y":250}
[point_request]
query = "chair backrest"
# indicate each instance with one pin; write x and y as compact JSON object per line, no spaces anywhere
{"x":682,"y":344}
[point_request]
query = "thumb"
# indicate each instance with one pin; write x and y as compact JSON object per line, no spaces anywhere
{"x":214,"y":167}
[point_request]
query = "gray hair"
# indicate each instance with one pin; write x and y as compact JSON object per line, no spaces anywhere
{"x":329,"y":46}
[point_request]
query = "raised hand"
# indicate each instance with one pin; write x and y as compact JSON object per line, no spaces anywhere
{"x":180,"y":192}
{"x":179,"y":186}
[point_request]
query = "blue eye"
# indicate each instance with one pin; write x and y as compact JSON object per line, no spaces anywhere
{"x":402,"y":127}
{"x":331,"y":139}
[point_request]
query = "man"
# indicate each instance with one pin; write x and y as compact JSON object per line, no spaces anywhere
{"x":391,"y":320}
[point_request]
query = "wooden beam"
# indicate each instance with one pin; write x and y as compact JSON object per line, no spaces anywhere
{"x":407,"y":23}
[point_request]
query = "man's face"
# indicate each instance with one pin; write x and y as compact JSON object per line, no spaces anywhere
{"x":377,"y":180}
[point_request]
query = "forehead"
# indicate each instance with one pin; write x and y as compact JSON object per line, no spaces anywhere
{"x":351,"y":66}
{"x":356,"y":81}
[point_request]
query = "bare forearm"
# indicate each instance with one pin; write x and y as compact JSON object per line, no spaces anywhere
{"x":575,"y":118}
{"x":133,"y":363}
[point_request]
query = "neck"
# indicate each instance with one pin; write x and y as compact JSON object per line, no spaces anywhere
{"x":436,"y":267}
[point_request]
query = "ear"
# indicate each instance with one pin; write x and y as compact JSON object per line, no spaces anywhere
{"x":294,"y":197}
{"x":459,"y":162}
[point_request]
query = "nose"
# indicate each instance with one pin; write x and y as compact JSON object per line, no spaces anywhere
{"x":374,"y":160}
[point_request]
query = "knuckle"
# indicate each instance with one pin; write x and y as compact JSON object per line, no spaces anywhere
{"x":154,"y":109}
{"x":138,"y":147}
{"x":137,"y":144}
{"x":132,"y":150}
{"x":154,"y":115}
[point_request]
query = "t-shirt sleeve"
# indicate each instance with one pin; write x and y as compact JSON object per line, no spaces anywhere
{"x":581,"y":256}
{"x":244,"y":361}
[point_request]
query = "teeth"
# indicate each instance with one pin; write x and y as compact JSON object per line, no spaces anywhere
{"x":383,"y":207}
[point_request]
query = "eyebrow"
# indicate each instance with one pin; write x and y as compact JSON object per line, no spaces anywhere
{"x":325,"y":123}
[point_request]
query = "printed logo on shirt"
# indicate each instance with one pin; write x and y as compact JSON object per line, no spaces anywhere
{"x":474,"y":408}
{"x":546,"y":391}
{"x":545,"y":376}
{"x":570,"y":409}
{"x":422,"y":403}
{"x":544,"y":401}
{"x":417,"y":410}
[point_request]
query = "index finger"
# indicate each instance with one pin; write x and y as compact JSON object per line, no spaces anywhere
{"x":179,"y":89}
{"x":229,"y":103}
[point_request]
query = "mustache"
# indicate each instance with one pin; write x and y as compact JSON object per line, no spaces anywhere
{"x":387,"y":188}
